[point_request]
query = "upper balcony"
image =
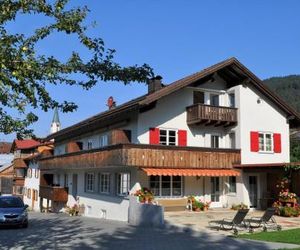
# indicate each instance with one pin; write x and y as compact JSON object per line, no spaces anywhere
{"x":211,"y":115}
{"x":141,"y":155}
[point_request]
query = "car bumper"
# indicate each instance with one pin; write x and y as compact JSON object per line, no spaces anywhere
{"x":14,"y":222}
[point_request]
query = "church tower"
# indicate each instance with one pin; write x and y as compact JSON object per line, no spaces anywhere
{"x":55,"y":125}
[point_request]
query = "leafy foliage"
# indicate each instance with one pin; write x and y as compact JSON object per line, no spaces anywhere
{"x":25,"y":75}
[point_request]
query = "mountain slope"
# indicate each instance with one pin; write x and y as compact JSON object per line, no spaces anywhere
{"x":287,"y":87}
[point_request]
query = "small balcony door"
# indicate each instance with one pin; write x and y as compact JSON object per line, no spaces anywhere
{"x":215,"y":192}
{"x":253,"y":191}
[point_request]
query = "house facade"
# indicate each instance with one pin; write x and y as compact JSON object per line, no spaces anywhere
{"x":31,"y":187}
{"x":219,"y":134}
{"x":21,"y":149}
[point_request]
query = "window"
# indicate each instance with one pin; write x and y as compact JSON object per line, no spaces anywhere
{"x":18,"y":190}
{"x":214,"y":100}
{"x":155,"y":184}
{"x":36,"y":173}
{"x":231,"y":100}
{"x":232,"y":140}
{"x":214,"y":142}
{"x":166,"y":186}
{"x":198,"y":97}
{"x":265,"y":141}
{"x":35,"y":195}
{"x":29,"y":193}
{"x":232,"y":184}
{"x":89,"y":182}
{"x":167,"y":137}
{"x":20,"y":172}
{"x":170,"y":186}
{"x":103,"y":140}
{"x":57,"y":181}
{"x":104,"y":183}
{"x":29,"y":173}
{"x":90,"y":145}
{"x":123,"y":181}
{"x":66,"y":180}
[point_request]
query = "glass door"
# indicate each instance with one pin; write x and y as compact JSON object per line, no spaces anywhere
{"x":253,"y":191}
{"x":215,"y":189}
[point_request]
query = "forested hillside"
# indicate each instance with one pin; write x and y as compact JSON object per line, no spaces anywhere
{"x":288,"y":87}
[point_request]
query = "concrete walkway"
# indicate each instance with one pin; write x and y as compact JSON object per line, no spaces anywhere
{"x":58,"y":231}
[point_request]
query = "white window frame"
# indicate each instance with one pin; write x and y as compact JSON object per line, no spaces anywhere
{"x":89,"y":182}
{"x":264,"y":144}
{"x":90,"y":144}
{"x":219,"y":140}
{"x":103,"y":140}
{"x":168,"y":135}
{"x":121,"y":189}
{"x":171,"y":188}
{"x":104,"y":184}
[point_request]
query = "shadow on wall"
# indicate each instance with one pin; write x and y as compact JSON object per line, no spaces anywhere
{"x":56,"y":231}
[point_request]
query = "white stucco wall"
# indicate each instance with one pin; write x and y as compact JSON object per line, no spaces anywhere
{"x":32,"y":183}
{"x":108,"y":206}
{"x":261,"y":117}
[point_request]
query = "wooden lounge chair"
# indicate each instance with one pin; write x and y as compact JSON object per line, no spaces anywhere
{"x":231,"y":224}
{"x":265,"y":221}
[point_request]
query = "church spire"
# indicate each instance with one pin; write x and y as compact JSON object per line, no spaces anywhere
{"x":55,"y":125}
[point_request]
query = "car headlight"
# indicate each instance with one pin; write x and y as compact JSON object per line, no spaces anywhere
{"x":24,"y":214}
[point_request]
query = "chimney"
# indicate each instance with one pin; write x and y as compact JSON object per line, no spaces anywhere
{"x":154,"y":84}
{"x":111,"y":103}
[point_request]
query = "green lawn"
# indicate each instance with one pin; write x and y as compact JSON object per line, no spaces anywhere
{"x":291,"y":236}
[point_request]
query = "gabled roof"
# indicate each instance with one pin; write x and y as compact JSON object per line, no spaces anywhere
{"x":24,"y":144}
{"x":230,"y":69}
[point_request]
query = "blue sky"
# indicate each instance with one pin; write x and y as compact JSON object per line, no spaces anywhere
{"x":176,"y":38}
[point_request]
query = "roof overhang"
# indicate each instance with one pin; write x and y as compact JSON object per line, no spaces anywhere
{"x":190,"y":172}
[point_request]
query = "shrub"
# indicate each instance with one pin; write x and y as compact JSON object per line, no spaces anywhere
{"x":239,"y":206}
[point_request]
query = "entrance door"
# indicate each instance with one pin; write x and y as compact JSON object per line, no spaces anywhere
{"x":215,"y":191}
{"x":253,"y":190}
{"x":74,"y":185}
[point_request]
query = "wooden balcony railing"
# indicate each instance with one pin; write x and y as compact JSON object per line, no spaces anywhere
{"x":59,"y":194}
{"x":141,"y":155}
{"x":211,"y":115}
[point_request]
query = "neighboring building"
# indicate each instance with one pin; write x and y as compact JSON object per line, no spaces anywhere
{"x":32,"y":178}
{"x":6,"y":179}
{"x":21,"y":150}
{"x":219,"y":134}
{"x":6,"y":156}
{"x":6,"y":173}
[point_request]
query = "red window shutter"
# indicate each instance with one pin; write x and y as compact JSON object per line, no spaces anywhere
{"x":254,"y":143}
{"x":154,"y":135}
{"x":182,"y":138}
{"x":277,"y":143}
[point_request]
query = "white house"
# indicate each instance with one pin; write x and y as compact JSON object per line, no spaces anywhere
{"x":219,"y":134}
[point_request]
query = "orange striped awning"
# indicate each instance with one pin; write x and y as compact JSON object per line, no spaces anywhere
{"x":191,"y":172}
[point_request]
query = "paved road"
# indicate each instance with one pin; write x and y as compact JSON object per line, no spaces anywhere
{"x":52,"y":231}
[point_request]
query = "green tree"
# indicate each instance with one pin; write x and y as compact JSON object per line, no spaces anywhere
{"x":25,"y":74}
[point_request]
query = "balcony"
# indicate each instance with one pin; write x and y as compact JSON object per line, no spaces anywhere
{"x":59,"y":194}
{"x":211,"y":115}
{"x":142,"y":155}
